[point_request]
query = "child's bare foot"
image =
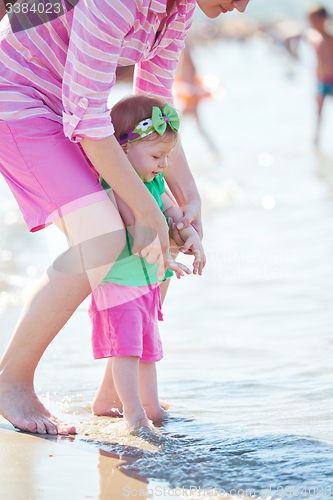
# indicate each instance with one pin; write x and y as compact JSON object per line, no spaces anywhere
{"x":156,"y":414}
{"x":164,"y":404}
{"x":21,"y":407}
{"x":101,"y":411}
{"x":107,"y":403}
{"x":137,"y":420}
{"x":112,"y":407}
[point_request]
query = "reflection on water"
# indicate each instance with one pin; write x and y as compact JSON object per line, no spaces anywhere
{"x":248,"y":347}
{"x":243,"y":463}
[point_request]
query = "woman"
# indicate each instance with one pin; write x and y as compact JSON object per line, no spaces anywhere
{"x":55,"y":80}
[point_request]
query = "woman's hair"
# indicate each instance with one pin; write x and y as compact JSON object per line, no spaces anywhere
{"x":130,"y":111}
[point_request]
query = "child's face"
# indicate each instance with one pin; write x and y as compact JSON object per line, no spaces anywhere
{"x":213,"y":8}
{"x":149,"y":157}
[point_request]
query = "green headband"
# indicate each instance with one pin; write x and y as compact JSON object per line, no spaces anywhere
{"x":157,"y":123}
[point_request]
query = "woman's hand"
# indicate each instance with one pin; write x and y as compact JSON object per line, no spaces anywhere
{"x":174,"y":233}
{"x":151,"y":240}
{"x":194,"y":246}
{"x":183,"y":188}
{"x":192,"y":215}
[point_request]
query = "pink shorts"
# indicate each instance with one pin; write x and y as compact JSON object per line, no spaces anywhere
{"x":47,"y":173}
{"x":124,"y":322}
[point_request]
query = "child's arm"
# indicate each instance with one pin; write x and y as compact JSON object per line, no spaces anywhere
{"x":189,"y":235}
{"x":125,"y":212}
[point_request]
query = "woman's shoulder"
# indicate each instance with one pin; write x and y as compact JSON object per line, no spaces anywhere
{"x":117,"y":13}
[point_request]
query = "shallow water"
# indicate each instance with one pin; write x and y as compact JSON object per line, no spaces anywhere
{"x":248,"y":346}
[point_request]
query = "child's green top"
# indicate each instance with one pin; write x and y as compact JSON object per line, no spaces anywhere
{"x":129,"y":269}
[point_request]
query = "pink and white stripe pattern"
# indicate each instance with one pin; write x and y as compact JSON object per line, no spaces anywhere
{"x":65,"y":69}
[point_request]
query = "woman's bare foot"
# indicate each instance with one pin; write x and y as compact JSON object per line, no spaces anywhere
{"x":137,"y":420}
{"x":21,"y":407}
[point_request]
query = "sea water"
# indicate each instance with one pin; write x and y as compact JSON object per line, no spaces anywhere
{"x":248,"y":346}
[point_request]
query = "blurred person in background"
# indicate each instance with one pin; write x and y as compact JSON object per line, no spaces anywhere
{"x":190,"y":90}
{"x":322,"y":41}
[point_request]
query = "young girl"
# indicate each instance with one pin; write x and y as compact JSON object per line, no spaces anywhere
{"x":125,"y":307}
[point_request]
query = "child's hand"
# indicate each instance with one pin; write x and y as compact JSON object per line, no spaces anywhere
{"x":177,"y":267}
{"x":194,"y":245}
{"x":174,"y":232}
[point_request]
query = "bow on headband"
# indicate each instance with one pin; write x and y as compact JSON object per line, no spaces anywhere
{"x":169,"y":117}
{"x":157,"y":123}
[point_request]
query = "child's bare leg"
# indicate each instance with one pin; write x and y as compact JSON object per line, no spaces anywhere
{"x":126,"y":379}
{"x":107,"y":402}
{"x":148,"y":392}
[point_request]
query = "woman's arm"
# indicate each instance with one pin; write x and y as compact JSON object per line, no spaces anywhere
{"x":177,"y":174}
{"x":188,"y":234}
{"x":112,"y":164}
{"x":183,"y":187}
{"x":159,"y":83}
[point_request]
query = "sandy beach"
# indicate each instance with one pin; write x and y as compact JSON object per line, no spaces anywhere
{"x":35,"y":468}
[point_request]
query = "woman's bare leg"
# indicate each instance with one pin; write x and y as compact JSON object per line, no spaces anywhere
{"x":52,"y":303}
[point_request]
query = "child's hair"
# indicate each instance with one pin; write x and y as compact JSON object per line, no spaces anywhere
{"x":130,"y":111}
{"x":318,"y":11}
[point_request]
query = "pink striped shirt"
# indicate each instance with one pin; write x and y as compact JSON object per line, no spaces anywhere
{"x":65,"y":69}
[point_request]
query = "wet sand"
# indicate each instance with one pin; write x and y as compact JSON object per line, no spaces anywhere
{"x":37,"y":467}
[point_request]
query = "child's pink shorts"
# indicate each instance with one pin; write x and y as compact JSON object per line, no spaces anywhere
{"x":46,"y":172}
{"x":124,"y":321}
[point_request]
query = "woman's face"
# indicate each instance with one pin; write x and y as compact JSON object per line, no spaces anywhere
{"x":213,"y":8}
